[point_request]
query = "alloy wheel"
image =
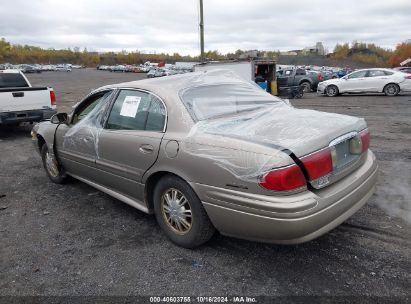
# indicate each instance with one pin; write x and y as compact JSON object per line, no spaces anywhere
{"x":51,"y":165}
{"x":176,"y":211}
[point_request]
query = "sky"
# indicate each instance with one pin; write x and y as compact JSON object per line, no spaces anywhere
{"x":172,"y":25}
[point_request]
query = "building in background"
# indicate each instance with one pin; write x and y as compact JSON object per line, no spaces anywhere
{"x":317,"y":49}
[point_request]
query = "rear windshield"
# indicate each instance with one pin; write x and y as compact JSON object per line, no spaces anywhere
{"x":12,"y":80}
{"x":212,"y":101}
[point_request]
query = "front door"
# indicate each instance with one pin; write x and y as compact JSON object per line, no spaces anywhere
{"x":129,"y":143}
{"x":354,"y":82}
{"x":77,"y":142}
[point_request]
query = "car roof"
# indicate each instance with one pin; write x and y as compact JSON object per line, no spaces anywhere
{"x":10,"y":71}
{"x":176,"y":83}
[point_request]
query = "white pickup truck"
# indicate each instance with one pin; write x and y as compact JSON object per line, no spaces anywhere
{"x":20,"y":102}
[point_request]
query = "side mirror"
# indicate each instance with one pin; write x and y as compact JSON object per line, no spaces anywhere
{"x":59,"y":118}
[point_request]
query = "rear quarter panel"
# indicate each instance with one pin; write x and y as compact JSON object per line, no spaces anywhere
{"x":235,"y":165}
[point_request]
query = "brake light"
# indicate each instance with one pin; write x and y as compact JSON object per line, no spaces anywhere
{"x":52,"y":98}
{"x":318,"y":164}
{"x":408,"y":77}
{"x":365,"y":139}
{"x":284,"y":179}
{"x":319,"y":77}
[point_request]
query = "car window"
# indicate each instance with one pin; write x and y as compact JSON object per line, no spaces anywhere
{"x":288,"y":72}
{"x":388,"y":73}
{"x":12,"y":80}
{"x":88,"y":105}
{"x":376,"y":73}
{"x":358,"y":74}
{"x":300,"y":72}
{"x":137,"y":110}
{"x":212,"y":101}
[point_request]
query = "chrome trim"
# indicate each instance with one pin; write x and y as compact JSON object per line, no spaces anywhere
{"x":125,"y":199}
{"x":342,"y":138}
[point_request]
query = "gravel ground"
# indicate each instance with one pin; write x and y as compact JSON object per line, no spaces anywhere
{"x":74,"y":240}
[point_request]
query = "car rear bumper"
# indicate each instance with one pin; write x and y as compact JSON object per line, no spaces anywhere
{"x":8,"y":118}
{"x":289,"y":219}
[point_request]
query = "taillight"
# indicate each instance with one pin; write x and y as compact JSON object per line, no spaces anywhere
{"x":318,"y":164}
{"x":52,"y":98}
{"x":408,"y":77}
{"x":283,"y":179}
{"x":319,"y":77}
{"x":365,"y":139}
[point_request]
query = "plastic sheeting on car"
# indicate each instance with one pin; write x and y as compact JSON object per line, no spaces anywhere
{"x":248,"y":131}
{"x":83,"y":136}
{"x":237,"y":125}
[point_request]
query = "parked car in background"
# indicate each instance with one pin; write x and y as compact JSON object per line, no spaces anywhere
{"x":118,"y":68}
{"x":20,"y":102}
{"x":404,"y":69}
{"x":387,"y":81}
{"x":26,"y":68}
{"x":151,"y":73}
{"x":316,"y":77}
{"x":179,"y":147}
{"x":63,"y":68}
{"x":295,"y":77}
{"x":327,"y":74}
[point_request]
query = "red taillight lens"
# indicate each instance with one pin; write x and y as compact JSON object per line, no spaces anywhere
{"x":320,"y":77}
{"x":408,"y":77}
{"x":284,"y":179}
{"x":318,"y":164}
{"x":365,"y":139}
{"x":52,"y":98}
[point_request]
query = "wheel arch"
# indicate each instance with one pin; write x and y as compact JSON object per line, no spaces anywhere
{"x":151,"y":183}
{"x":306,"y":80}
{"x":333,"y":84}
{"x":40,"y":141}
{"x":394,"y":83}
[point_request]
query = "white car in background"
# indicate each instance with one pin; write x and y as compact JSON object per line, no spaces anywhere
{"x":387,"y":81}
{"x":63,"y":68}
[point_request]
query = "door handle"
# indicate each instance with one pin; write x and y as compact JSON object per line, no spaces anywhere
{"x":18,"y":94}
{"x":146,"y":149}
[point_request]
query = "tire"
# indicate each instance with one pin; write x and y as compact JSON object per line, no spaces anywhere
{"x":331,"y":91}
{"x":192,"y":231}
{"x":54,"y":170}
{"x":306,"y":86}
{"x":391,"y":89}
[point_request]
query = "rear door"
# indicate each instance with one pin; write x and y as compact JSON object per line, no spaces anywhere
{"x":129,"y":143}
{"x":376,"y":80}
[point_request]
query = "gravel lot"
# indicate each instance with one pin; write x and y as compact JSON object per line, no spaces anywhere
{"x":74,"y":240}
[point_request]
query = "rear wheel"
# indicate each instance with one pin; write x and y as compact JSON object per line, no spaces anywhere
{"x":306,"y":86}
{"x":391,"y":89}
{"x":331,"y":91}
{"x":53,"y":169}
{"x":180,"y":213}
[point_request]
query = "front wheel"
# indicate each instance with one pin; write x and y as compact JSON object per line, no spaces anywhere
{"x":180,"y":213}
{"x":331,"y":91}
{"x":53,"y":169}
{"x":391,"y":89}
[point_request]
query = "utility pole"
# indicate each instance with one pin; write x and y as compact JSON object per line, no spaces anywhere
{"x":201,"y":32}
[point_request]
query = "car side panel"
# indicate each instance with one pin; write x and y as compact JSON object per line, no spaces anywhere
{"x":122,"y":159}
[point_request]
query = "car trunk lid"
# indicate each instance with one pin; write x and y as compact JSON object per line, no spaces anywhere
{"x":299,"y":132}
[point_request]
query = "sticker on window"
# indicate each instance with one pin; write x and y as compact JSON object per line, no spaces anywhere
{"x":130,"y":106}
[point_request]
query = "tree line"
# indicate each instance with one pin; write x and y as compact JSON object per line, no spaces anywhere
{"x":356,"y":51}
